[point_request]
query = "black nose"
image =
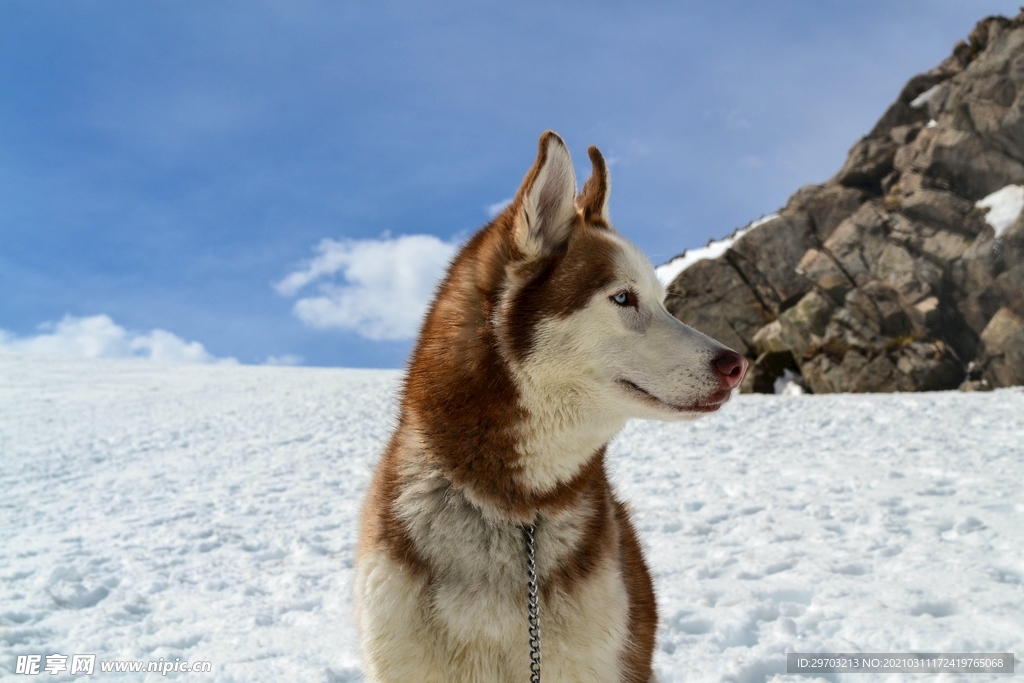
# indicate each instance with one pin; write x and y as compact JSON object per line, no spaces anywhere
{"x":731,"y":366}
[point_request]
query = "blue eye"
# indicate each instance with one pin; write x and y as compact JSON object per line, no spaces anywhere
{"x":623,"y":298}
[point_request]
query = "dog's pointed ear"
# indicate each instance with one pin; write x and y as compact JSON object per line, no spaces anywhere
{"x":593,"y":200}
{"x":546,"y":200}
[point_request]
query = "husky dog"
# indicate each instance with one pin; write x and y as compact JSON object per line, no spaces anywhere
{"x":547,"y":333}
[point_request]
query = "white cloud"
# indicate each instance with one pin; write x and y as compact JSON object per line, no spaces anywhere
{"x":378,"y":289}
{"x":98,"y":336}
{"x":497,"y":207}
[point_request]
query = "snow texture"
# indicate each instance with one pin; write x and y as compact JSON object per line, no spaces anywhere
{"x":210,"y":513}
{"x":670,"y":271}
{"x":1004,"y":207}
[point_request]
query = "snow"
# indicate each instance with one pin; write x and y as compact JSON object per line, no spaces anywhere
{"x":1004,"y":207}
{"x":670,"y":271}
{"x":209,"y":513}
{"x":923,"y":99}
{"x":788,"y":384}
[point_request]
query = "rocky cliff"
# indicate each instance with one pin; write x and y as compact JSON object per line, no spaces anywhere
{"x":905,"y":271}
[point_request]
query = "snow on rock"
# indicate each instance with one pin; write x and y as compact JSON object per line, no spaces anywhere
{"x":670,"y":271}
{"x":1004,"y":207}
{"x":210,"y":512}
{"x":788,"y":384}
{"x":923,"y":99}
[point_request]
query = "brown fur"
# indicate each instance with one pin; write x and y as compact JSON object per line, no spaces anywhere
{"x":643,"y":610}
{"x":594,"y":196}
{"x":560,"y":285}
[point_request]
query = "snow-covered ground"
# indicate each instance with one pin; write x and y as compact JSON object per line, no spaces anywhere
{"x":208,"y":513}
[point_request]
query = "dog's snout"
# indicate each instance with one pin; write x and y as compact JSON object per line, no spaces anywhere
{"x":732,"y":366}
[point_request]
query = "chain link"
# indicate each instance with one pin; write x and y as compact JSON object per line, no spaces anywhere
{"x":532,"y":602}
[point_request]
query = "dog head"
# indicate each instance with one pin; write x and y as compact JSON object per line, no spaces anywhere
{"x":547,"y":333}
{"x":580,"y":315}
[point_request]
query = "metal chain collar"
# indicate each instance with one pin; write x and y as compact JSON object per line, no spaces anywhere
{"x":532,"y":602}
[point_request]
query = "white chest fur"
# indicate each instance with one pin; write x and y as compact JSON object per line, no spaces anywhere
{"x":467,"y":620}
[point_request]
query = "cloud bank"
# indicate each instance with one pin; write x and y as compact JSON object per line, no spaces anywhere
{"x":378,"y":288}
{"x":98,"y":336}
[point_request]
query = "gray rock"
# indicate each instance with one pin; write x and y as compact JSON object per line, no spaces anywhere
{"x":973,"y":271}
{"x":978,"y":308}
{"x":1009,"y":289}
{"x":882,"y":303}
{"x":1003,"y":355}
{"x":803,"y":325}
{"x":976,"y":385}
{"x":878,"y":375}
{"x":937,"y":208}
{"x":960,"y":161}
{"x":903,"y":135}
{"x":898,"y":114}
{"x":768,"y":367}
{"x":887,"y":277}
{"x":940,"y":246}
{"x":1008,"y":250}
{"x":858,"y":241}
{"x":912,"y":278}
{"x":768,"y":339}
{"x":711,"y":297}
{"x":828,"y":205}
{"x":815,"y":372}
{"x":868,"y":162}
{"x":926,"y":315}
{"x":822,"y":270}
{"x":767,"y":258}
{"x":857,"y":324}
{"x":929,"y":366}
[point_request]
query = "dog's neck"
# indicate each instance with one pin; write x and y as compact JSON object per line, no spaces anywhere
{"x":563,"y":428}
{"x":514,"y":449}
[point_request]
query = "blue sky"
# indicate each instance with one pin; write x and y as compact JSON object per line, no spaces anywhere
{"x":280,"y":179}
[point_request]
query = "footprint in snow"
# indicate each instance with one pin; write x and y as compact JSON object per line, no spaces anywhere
{"x":933,"y":609}
{"x":67,"y":590}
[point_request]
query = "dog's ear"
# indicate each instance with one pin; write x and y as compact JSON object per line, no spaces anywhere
{"x":593,"y":200}
{"x":545,"y":199}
